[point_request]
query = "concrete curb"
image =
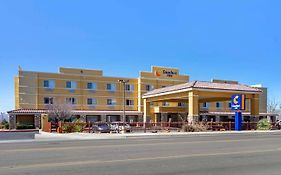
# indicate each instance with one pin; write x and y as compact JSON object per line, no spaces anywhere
{"x":91,"y":136}
{"x":6,"y":135}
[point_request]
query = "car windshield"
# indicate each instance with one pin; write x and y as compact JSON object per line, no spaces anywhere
{"x":102,"y":125}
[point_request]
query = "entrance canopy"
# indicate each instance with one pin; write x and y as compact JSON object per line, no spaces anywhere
{"x":197,"y":92}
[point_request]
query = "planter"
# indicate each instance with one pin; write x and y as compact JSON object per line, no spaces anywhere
{"x":59,"y":130}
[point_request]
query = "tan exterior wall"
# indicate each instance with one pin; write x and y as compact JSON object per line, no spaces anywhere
{"x":224,"y":106}
{"x":159,"y":77}
{"x":25,"y":119}
{"x":30,"y":92}
{"x":263,"y":100}
{"x":17,"y":105}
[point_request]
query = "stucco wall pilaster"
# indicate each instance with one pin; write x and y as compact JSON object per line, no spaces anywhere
{"x":193,"y":110}
{"x":12,"y":121}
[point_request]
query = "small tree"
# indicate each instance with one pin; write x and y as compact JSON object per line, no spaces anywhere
{"x":5,"y":124}
{"x":273,"y":105}
{"x":60,"y":111}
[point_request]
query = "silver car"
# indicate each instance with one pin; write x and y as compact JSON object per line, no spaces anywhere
{"x":119,"y":126}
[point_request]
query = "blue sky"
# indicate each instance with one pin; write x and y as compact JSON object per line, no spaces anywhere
{"x":230,"y":39}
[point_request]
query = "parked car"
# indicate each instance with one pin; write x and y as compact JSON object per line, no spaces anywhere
{"x":101,"y":128}
{"x":119,"y":126}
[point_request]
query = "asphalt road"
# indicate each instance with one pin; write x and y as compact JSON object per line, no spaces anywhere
{"x":187,"y":155}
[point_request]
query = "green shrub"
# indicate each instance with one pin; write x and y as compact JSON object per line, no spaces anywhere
{"x":78,"y":128}
{"x":73,"y":127}
{"x":68,"y":128}
{"x":4,"y":124}
{"x":25,"y":126}
{"x":264,"y":124}
{"x":79,"y":125}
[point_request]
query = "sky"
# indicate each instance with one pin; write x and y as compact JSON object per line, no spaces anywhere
{"x":222,"y":39}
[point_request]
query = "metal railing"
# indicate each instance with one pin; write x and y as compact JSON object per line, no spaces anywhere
{"x":154,"y":126}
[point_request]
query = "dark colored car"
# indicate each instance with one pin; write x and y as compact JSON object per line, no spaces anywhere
{"x":101,"y":128}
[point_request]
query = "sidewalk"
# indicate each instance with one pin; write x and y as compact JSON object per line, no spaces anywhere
{"x":44,"y":136}
{"x":92,"y":136}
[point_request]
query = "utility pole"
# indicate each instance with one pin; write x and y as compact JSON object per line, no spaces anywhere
{"x":123,"y":82}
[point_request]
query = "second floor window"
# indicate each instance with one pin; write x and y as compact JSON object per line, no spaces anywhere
{"x":181,"y":104}
{"x":165,"y":104}
{"x":111,"y":87}
{"x":111,"y":102}
{"x":91,"y":101}
{"x":71,"y":85}
{"x":50,"y":84}
{"x":48,"y":100}
{"x":71,"y":101}
{"x":91,"y":86}
{"x":129,"y":102}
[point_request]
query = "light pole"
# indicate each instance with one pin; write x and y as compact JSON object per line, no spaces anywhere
{"x":123,"y":82}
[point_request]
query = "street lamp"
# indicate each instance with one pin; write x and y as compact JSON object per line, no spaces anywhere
{"x":124,"y":98}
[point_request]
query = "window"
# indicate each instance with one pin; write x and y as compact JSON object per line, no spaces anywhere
{"x":165,"y":104}
{"x":48,"y":100}
{"x":205,"y":105}
{"x":218,"y":105}
{"x":71,"y":85}
{"x":91,"y":101}
{"x":181,"y":104}
{"x":70,"y":100}
{"x":129,"y":87}
{"x":91,"y":86}
{"x":49,"y":84}
{"x":149,"y":87}
{"x":129,"y":102}
{"x":111,"y":87}
{"x":111,"y":102}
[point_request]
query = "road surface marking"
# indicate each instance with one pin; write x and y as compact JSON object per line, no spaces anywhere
{"x":96,"y":162}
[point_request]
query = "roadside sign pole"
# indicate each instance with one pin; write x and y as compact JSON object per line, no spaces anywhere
{"x":238,"y":121}
{"x":238,"y":103}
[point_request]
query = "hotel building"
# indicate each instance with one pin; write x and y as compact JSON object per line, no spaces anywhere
{"x":95,"y":97}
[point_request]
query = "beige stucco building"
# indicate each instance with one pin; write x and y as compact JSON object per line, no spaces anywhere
{"x":95,"y":97}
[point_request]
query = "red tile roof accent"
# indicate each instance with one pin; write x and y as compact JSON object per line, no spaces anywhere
{"x":78,"y":112}
{"x":233,"y":113}
{"x":204,"y":85}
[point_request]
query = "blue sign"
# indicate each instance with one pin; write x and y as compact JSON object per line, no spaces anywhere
{"x":238,"y":102}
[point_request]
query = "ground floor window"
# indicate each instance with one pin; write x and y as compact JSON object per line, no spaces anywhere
{"x":113,"y":118}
